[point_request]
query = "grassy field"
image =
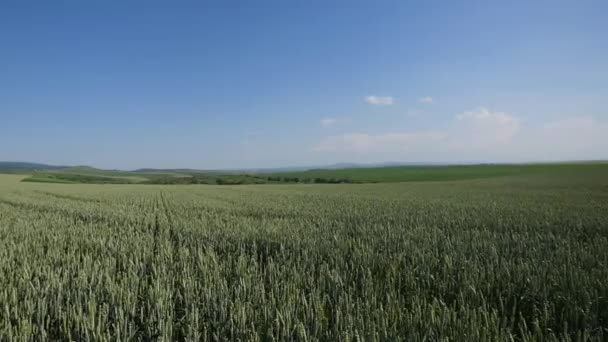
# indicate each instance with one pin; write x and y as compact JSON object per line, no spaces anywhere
{"x":445,"y":173}
{"x":522,"y":256}
{"x":87,"y":175}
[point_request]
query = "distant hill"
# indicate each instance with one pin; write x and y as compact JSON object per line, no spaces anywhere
{"x":84,"y":170}
{"x":342,"y":166}
{"x":11,"y":166}
{"x":152,"y":170}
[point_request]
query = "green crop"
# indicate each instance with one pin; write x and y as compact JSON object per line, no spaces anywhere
{"x":496,"y":259}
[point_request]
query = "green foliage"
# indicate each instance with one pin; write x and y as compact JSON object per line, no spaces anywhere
{"x":495,"y":259}
{"x":61,"y":177}
{"x":441,"y":173}
{"x":90,"y":175}
{"x":208,"y":178}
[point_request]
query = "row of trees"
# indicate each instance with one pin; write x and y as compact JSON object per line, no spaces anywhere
{"x":244,"y":179}
{"x":317,"y":180}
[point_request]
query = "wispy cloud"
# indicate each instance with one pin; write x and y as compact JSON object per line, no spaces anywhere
{"x":326,"y":122}
{"x":380,"y":100}
{"x":482,"y":127}
{"x":426,"y":100}
{"x":481,"y":134}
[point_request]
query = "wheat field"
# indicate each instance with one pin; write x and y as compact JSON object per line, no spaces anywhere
{"x":501,"y":259}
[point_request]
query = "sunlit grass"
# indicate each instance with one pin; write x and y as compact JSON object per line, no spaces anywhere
{"x":515,"y":258}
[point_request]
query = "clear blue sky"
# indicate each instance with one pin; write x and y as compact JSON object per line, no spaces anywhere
{"x":228,"y":84}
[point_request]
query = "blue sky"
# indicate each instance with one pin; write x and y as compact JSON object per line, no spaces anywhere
{"x":228,"y":84}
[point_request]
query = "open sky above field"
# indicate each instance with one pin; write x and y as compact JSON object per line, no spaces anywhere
{"x":221,"y":84}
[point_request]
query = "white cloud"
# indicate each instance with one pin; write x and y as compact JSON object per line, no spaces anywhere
{"x":426,"y":100}
{"x":483,"y":128}
{"x":580,"y":137}
{"x":326,"y":122}
{"x":481,"y":135}
{"x":380,"y":100}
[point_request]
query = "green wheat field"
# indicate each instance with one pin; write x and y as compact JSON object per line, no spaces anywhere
{"x":508,"y":257}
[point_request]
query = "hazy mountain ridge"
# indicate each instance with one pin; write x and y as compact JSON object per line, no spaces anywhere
{"x":7,"y":165}
{"x":30,"y":166}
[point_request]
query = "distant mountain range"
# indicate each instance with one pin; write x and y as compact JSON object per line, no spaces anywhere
{"x":27,"y":166}
{"x":338,"y":166}
{"x":10,"y":166}
{"x":13,"y":166}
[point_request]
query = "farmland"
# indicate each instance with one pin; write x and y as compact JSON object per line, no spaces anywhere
{"x":388,"y":174}
{"x":492,"y":255}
